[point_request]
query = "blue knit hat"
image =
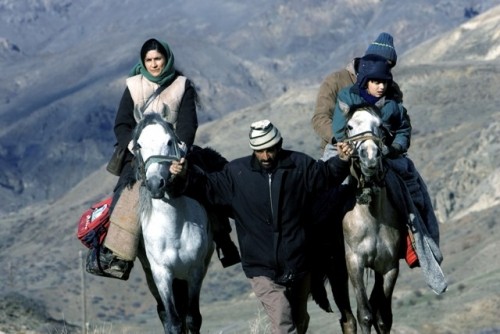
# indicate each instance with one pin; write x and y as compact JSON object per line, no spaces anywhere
{"x":373,"y":67}
{"x":383,"y":46}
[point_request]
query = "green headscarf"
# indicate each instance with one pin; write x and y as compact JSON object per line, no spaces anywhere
{"x":168,"y":73}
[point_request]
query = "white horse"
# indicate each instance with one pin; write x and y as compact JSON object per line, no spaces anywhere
{"x":176,"y":233}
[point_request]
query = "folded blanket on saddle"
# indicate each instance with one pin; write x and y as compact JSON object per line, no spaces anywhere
{"x":407,"y":190}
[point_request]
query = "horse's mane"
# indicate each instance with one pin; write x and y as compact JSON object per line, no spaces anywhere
{"x":363,"y":106}
{"x":148,"y":119}
{"x":145,"y":203}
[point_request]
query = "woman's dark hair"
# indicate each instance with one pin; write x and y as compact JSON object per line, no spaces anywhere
{"x":153,"y":44}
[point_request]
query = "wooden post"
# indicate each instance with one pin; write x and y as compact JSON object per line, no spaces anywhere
{"x":83,"y":294}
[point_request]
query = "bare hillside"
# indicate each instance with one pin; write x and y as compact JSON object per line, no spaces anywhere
{"x":452,"y":100}
{"x":67,"y":61}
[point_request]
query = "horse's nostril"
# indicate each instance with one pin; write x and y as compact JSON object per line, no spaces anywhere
{"x":162,"y":184}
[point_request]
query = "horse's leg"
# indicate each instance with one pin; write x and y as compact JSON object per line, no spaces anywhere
{"x":160,"y":307}
{"x":381,"y":300}
{"x":339,"y":282}
{"x":355,"y":268}
{"x":339,"y":279}
{"x":387,"y":268}
{"x":164,"y":281}
{"x":160,"y":285}
{"x":180,"y":293}
{"x":194,"y":318}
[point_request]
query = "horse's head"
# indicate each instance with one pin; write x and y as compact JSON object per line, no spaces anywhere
{"x":155,"y":147}
{"x":364,"y":131}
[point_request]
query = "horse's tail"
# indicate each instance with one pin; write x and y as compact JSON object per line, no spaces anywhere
{"x":318,"y":290}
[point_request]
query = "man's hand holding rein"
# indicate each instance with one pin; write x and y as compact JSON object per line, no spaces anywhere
{"x":179,"y":168}
{"x":345,"y":151}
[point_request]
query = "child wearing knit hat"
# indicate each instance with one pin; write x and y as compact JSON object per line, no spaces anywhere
{"x":382,"y":46}
{"x":360,"y":82}
{"x":374,"y":87}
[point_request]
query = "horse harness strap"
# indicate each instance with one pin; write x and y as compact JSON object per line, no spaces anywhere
{"x":150,"y":99}
{"x":363,"y":136}
{"x":144,"y":165}
{"x":355,"y":174}
{"x":365,"y":187}
{"x":159,"y":159}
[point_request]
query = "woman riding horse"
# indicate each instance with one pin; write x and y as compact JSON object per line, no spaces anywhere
{"x":154,"y":85}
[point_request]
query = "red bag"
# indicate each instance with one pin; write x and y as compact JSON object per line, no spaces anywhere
{"x":411,"y":255}
{"x":94,"y":223}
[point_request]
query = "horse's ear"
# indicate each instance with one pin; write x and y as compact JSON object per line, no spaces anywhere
{"x":344,"y":107}
{"x":138,"y":115}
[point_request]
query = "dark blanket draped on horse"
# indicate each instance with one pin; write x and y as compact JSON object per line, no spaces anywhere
{"x":408,"y":191}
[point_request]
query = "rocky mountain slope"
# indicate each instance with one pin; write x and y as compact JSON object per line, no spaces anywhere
{"x":66,"y":63}
{"x":449,"y":84}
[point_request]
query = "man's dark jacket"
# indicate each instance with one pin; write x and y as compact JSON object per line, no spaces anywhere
{"x":269,"y":208}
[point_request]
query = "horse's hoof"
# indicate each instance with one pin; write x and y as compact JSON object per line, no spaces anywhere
{"x":348,"y":327}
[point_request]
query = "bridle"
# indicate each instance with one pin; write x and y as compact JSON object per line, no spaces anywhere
{"x":360,"y":138}
{"x":142,"y":166}
{"x":365,"y":184}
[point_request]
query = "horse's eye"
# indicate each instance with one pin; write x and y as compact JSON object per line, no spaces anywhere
{"x":349,"y":127}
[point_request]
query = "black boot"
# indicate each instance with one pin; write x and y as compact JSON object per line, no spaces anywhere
{"x":227,"y":252}
{"x":102,"y":262}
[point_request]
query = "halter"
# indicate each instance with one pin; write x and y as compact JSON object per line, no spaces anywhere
{"x":365,"y":186}
{"x":160,"y":159}
{"x":359,"y":138}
